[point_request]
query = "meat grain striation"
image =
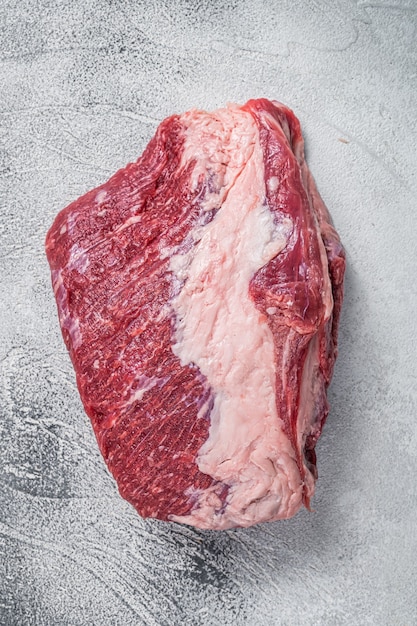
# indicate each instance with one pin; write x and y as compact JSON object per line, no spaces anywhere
{"x":199,"y":292}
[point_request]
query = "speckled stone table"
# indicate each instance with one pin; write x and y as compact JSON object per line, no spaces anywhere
{"x":84,"y":84}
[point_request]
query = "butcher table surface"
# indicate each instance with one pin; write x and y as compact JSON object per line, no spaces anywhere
{"x":84,"y":84}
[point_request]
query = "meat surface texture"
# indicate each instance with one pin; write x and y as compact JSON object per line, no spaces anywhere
{"x":199,"y":292}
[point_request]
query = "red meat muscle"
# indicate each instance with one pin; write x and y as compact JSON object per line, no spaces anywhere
{"x":199,"y":292}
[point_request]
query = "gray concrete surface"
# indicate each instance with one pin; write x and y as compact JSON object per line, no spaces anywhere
{"x":83,"y":85}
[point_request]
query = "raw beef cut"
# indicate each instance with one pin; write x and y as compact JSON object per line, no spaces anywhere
{"x":199,"y":293}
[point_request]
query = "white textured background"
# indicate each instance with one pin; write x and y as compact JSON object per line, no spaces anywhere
{"x":83,"y":85}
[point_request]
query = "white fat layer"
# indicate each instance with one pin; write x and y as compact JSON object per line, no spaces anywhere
{"x":220,"y":329}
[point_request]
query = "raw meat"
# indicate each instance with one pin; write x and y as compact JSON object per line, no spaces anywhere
{"x":199,"y":293}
